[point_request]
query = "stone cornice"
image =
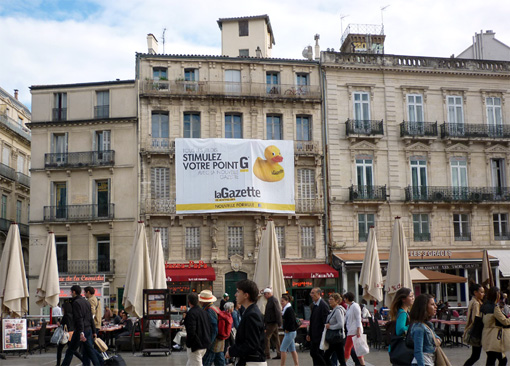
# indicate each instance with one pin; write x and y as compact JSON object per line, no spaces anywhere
{"x":81,"y":122}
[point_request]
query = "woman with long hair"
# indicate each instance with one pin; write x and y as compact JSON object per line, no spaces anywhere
{"x":424,"y":337}
{"x":477,"y":292}
{"x":399,"y":310}
{"x":354,"y":327}
{"x":336,"y":321}
{"x":495,"y":334}
{"x":290,"y":327}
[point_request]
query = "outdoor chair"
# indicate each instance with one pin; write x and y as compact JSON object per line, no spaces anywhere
{"x":38,"y":342}
{"x":132,"y":340}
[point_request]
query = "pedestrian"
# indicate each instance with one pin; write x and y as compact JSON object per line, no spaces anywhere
{"x":229,"y":308}
{"x":477,"y":293}
{"x":107,"y":315}
{"x":66,"y":323}
{"x":399,"y":310}
{"x":224,"y":301}
{"x":198,"y":331}
{"x":56,"y":313}
{"x":354,"y":328}
{"x":214,"y":353}
{"x":97,"y":311}
{"x":496,"y":331}
{"x":84,"y":330}
{"x":272,"y":322}
{"x":290,"y":327}
{"x":422,"y":333}
{"x":320,"y":311}
{"x":336,"y":321}
{"x":236,"y":317}
{"x":249,"y":345}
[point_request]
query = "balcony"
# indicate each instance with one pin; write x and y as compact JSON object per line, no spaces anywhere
{"x":367,"y":193}
{"x":160,"y":206}
{"x":462,"y":237}
{"x":79,"y":159}
{"x":310,"y":205}
{"x":229,"y":89}
{"x":23,"y":229}
{"x":78,"y":267}
{"x":15,"y":126}
{"x":483,"y":132}
{"x":23,"y":179}
{"x":101,"y":111}
{"x":421,"y":237}
{"x":418,"y":130}
{"x":7,"y":172}
{"x":160,"y":145}
{"x":76,"y":213}
{"x":59,"y":114}
{"x":6,"y":224}
{"x":457,"y":194}
{"x":364,"y":128}
{"x":304,"y":148}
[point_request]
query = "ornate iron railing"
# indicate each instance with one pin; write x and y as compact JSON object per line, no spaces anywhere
{"x":23,"y":229}
{"x":102,"y":111}
{"x":79,"y":212}
{"x":23,"y":179}
{"x":59,"y":114}
{"x":7,"y":172}
{"x":160,"y":206}
{"x":362,"y":193}
{"x":14,"y":126}
{"x":364,"y":127}
{"x":502,"y":236}
{"x":6,"y":224}
{"x":469,"y":130}
{"x":418,"y":129}
{"x":304,"y":205}
{"x":463,"y":237}
{"x":106,"y":266}
{"x":79,"y":159}
{"x":459,"y":194}
{"x":306,"y":147}
{"x":421,"y":236}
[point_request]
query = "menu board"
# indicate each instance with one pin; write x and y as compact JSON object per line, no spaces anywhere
{"x":156,"y":304}
{"x":14,"y":334}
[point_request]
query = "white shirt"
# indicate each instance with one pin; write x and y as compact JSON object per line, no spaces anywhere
{"x":56,"y":311}
{"x":353,"y":319}
{"x":286,"y":307}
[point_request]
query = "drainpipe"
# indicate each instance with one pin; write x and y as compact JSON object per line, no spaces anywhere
{"x":325,"y":159}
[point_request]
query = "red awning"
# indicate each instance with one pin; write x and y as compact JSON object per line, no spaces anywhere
{"x":309,"y":271}
{"x":190,"y":274}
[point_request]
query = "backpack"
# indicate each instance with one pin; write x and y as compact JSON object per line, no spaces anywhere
{"x":225,"y":322}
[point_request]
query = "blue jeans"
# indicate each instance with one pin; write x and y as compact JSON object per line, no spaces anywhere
{"x":288,"y":344}
{"x":211,"y":357}
{"x":89,"y":354}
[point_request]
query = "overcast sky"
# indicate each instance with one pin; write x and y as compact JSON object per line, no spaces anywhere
{"x":68,"y":41}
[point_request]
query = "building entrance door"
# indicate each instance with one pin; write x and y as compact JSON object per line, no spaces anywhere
{"x":231,"y":279}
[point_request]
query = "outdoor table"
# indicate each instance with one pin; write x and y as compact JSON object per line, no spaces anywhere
{"x":38,"y":328}
{"x":108,"y":332}
{"x":456,"y":323}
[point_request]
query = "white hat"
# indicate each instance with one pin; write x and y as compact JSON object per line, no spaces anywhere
{"x":268,"y":290}
{"x":206,"y":296}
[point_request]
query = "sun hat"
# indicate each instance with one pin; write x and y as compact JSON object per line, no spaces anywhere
{"x":206,"y":296}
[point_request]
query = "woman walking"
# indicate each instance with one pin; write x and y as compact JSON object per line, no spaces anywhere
{"x":495,"y":334}
{"x":425,"y":339}
{"x":477,"y":293}
{"x":290,"y":327}
{"x":336,"y":322}
{"x":354,"y":327}
{"x":399,"y":310}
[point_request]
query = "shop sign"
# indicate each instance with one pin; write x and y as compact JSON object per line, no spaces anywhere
{"x":190,"y":264}
{"x":322,"y":275}
{"x":436,"y":267}
{"x":430,"y":253}
{"x":82,"y":278}
{"x":179,"y":289}
{"x":303,"y":283}
{"x":65,"y":292}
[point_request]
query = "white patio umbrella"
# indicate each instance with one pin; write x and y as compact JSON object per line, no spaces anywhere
{"x":138,"y":276}
{"x":13,"y":279}
{"x":399,"y":272}
{"x":268,"y":269}
{"x":158,"y":262}
{"x":371,"y":277}
{"x":487,"y":277}
{"x":48,"y":286}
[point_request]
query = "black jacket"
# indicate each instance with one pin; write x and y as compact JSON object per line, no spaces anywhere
{"x":67,"y":319}
{"x":317,"y":320}
{"x":249,"y":345}
{"x":82,"y":315}
{"x":289,"y":320}
{"x":273,"y":313}
{"x":198,"y":329}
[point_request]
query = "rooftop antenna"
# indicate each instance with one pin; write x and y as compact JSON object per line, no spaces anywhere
{"x":164,"y":30}
{"x":382,"y":11}
{"x":341,"y":19}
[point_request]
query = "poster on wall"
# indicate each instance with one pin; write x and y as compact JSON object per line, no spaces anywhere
{"x":227,"y":175}
{"x":14,"y":334}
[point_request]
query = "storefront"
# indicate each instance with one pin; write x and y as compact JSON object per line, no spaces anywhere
{"x":301,"y":278}
{"x":189,"y":277}
{"x":98,"y":282}
{"x":504,"y":269}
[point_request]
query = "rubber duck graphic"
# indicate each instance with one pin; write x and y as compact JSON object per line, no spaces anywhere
{"x":269,"y":170}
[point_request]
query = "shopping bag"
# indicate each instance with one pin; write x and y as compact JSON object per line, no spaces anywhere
{"x":324,"y":345}
{"x":360,"y":345}
{"x":57,"y":335}
{"x":65,"y":336}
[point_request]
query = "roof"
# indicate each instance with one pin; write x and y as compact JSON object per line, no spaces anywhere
{"x":80,"y":85}
{"x":14,"y":101}
{"x":228,"y":58}
{"x":253,"y":17}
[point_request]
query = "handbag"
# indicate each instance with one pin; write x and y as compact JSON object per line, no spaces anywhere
{"x":65,"y":336}
{"x":360,"y":345}
{"x":101,"y":345}
{"x":57,"y":335}
{"x":473,"y":336}
{"x":401,"y":350}
{"x":441,"y":359}
{"x":334,"y":336}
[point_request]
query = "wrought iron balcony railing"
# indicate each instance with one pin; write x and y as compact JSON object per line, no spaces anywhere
{"x":372,"y":193}
{"x":7,"y":172}
{"x":160,"y":206}
{"x":6,"y":224}
{"x":364,"y":127}
{"x":421,"y":236}
{"x":418,"y":129}
{"x":59,"y":114}
{"x":102,"y":111}
{"x":502,"y":236}
{"x":23,"y":179}
{"x":14,"y":126}
{"x":79,"y":159}
{"x":306,"y":147}
{"x":462,"y":237}
{"x":23,"y":229}
{"x":106,"y":266}
{"x":311,"y":205}
{"x":79,"y":212}
{"x":458,"y":194}
{"x":468,"y":130}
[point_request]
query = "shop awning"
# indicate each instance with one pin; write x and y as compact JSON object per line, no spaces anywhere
{"x":504,"y":260}
{"x":309,"y":271}
{"x":190,"y":274}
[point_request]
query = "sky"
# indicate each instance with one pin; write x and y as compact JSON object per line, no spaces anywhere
{"x":44,"y":42}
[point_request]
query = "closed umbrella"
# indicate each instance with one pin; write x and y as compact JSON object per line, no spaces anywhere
{"x":158,"y":263}
{"x":138,"y":276}
{"x":13,"y":279}
{"x":399,"y":272}
{"x":487,"y":277}
{"x":371,"y":277}
{"x":268,"y":269}
{"x":48,"y":287}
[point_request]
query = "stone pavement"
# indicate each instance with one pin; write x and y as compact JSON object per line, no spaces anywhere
{"x":456,"y":355}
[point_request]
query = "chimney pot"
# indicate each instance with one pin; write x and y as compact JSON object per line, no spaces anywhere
{"x":152,"y":44}
{"x":16,"y":93}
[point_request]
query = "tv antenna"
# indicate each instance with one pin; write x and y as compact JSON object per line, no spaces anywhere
{"x":382,"y":11}
{"x":163,"y":37}
{"x":341,"y":19}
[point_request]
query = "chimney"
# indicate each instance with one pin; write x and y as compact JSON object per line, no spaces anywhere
{"x":317,"y":47}
{"x":16,"y":94}
{"x":152,"y":44}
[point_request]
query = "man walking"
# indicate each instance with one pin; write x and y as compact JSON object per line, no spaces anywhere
{"x":272,"y":322}
{"x":198,"y":331}
{"x":95,"y":308}
{"x":84,"y":330}
{"x":320,"y":311}
{"x":214,"y":353}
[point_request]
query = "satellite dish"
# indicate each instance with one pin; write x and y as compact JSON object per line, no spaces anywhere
{"x":305,"y":52}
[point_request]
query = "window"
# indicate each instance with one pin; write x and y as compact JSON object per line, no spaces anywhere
{"x":361,"y":106}
{"x":164,"y":239}
{"x":494,"y":119}
{"x":274,"y":127}
{"x":244,"y":52}
{"x":19,"y":206}
{"x":20,"y":121}
{"x":61,"y":246}
{"x":500,"y":221}
{"x":59,"y":148}
{"x":160,"y":184}
{"x":303,"y":132}
{"x":306,"y":190}
{"x":103,"y":254}
{"x":302,"y":82}
{"x":21,"y":163}
{"x":235,"y":241}
{"x":192,"y":243}
{"x":308,"y":241}
{"x":419,"y":178}
{"x":233,"y":81}
{"x":59,"y":200}
{"x":159,"y":73}
{"x":498,"y":174}
{"x":103,"y":104}
{"x":421,"y":227}
{"x":192,"y":125}
{"x":6,"y":155}
{"x":103,"y":146}
{"x":364,"y":173}
{"x":280,"y":236}
{"x":60,"y":106}
{"x":455,"y":109}
{"x":365,"y":222}
{"x":243,"y":28}
{"x":3,"y":209}
{"x":459,"y":178}
{"x":233,"y":126}
{"x":415,"y":108}
{"x":102,"y":197}
{"x":461,"y":230}
{"x":191,"y":78}
{"x":273,"y":82}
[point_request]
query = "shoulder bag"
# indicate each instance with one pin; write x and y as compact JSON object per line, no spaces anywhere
{"x":402,"y":348}
{"x":65,"y":336}
{"x":473,"y":336}
{"x":334,"y":336}
{"x":441,"y":359}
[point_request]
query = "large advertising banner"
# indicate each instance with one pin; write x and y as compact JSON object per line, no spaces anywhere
{"x":226,"y":175}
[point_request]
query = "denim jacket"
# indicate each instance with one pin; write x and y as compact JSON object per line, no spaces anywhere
{"x":423,"y":341}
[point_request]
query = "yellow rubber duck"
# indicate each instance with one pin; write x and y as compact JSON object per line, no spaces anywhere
{"x":269,"y":170}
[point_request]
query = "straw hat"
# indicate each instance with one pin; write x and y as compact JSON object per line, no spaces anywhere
{"x":206,"y":296}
